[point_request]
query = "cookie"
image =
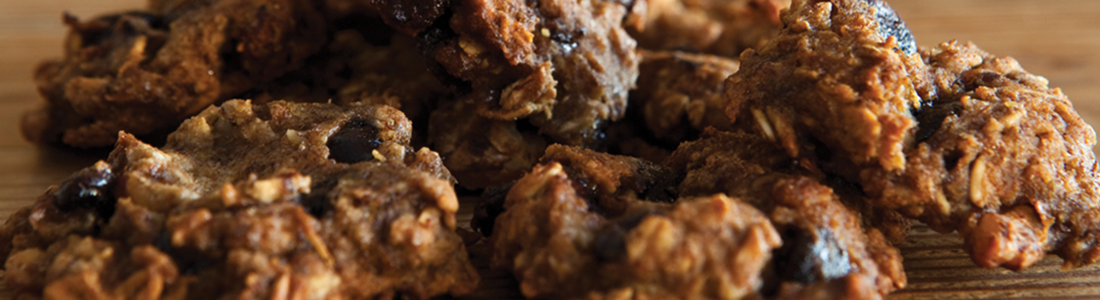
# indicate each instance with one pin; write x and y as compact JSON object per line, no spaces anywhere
{"x":290,"y":200}
{"x":831,"y":239}
{"x":830,"y":75}
{"x":592,"y":225}
{"x":718,"y":27}
{"x":566,"y":66}
{"x":1000,"y":157}
{"x":145,"y":71}
{"x":953,"y":136}
{"x":680,"y":94}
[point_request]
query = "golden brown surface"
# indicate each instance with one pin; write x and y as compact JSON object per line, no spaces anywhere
{"x":481,"y":152}
{"x":1055,"y":39}
{"x":680,"y":94}
{"x":273,"y":201}
{"x":829,"y":77}
{"x":581,"y":217}
{"x":825,"y":243}
{"x":719,"y":27}
{"x":955,"y":137}
{"x":566,"y":66}
{"x":587,"y":225}
{"x":146,"y":69}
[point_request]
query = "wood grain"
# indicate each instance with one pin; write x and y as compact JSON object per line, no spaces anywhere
{"x":1057,"y":39}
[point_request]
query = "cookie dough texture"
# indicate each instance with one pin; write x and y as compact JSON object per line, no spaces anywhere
{"x":832,"y":243}
{"x":952,"y":136}
{"x":830,"y":74}
{"x":277,"y":201}
{"x":592,"y":225}
{"x":566,"y":65}
{"x":148,"y":70}
{"x":679,"y":94}
{"x":562,"y":242}
{"x":1000,"y":157}
{"x":718,"y":27}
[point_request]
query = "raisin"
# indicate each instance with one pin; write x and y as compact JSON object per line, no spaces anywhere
{"x":811,"y":256}
{"x":354,"y":142}
{"x":90,"y":188}
{"x":890,"y":24}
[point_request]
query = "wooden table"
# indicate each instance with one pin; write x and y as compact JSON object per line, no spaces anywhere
{"x":1059,"y":39}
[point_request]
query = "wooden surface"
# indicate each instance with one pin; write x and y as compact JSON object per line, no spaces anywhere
{"x":1059,"y":39}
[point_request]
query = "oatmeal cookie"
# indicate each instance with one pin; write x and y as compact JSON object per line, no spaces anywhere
{"x":719,"y":27}
{"x":825,"y":241}
{"x":581,"y":220}
{"x":143,"y":71}
{"x":1000,"y":157}
{"x":276,"y":201}
{"x":680,"y":94}
{"x":364,"y":62}
{"x":631,"y":137}
{"x":955,"y":137}
{"x":560,"y":244}
{"x":565,"y":65}
{"x":407,"y":16}
{"x":371,"y":63}
{"x":482,"y":152}
{"x":831,"y":75}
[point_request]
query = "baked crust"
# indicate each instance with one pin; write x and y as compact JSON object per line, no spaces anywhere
{"x":281,"y":201}
{"x":679,"y":94}
{"x":560,"y":242}
{"x":952,"y":136}
{"x":585,"y":224}
{"x":1000,"y":157}
{"x":566,"y":65}
{"x":145,"y":71}
{"x":718,"y":27}
{"x":830,"y":237}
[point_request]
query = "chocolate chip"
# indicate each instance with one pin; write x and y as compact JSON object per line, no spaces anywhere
{"x":89,"y":188}
{"x":354,"y":142}
{"x":809,"y":256}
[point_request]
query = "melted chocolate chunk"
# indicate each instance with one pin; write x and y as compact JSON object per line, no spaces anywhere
{"x":354,"y":142}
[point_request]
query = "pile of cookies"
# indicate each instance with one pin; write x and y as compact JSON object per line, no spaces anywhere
{"x":660,"y":149}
